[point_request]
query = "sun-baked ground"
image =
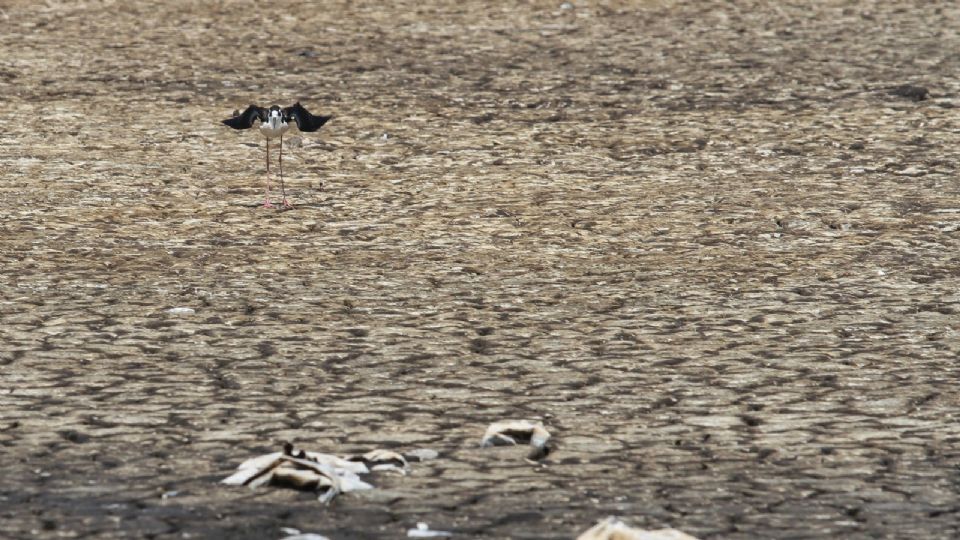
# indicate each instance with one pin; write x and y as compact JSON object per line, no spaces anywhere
{"x":712,"y":245}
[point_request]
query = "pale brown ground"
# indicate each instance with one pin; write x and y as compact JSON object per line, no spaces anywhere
{"x":700,"y":240}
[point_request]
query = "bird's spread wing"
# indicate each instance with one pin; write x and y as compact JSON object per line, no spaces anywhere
{"x":245,"y":119}
{"x":305,"y":121}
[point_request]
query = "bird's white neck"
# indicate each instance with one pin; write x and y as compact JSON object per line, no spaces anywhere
{"x":276,"y":122}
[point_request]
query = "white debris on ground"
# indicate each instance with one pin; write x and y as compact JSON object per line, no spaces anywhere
{"x":423,"y":531}
{"x":294,"y":534}
{"x":329,"y":475}
{"x":422,"y":454}
{"x":326,"y":474}
{"x":382,"y":460}
{"x":612,"y":528}
{"x":511,"y":432}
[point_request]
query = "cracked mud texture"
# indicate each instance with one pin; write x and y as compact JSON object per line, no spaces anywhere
{"x":712,"y":245}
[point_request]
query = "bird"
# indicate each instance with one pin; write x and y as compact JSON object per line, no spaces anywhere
{"x":274,"y":122}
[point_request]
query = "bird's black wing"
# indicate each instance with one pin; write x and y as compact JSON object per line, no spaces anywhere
{"x":245,"y":119}
{"x":305,"y":121}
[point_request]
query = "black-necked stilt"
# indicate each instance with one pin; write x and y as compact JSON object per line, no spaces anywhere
{"x":274,"y":122}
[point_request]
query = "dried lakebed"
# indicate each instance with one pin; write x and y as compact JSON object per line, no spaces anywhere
{"x":712,"y":246}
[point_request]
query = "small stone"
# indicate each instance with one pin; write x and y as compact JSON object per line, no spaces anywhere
{"x":293,"y":142}
{"x":612,"y":528}
{"x":75,"y":436}
{"x":380,"y":496}
{"x":510,"y":432}
{"x":305,"y":536}
{"x":382,"y":460}
{"x":423,"y":531}
{"x":911,"y":171}
{"x":181,"y":311}
{"x":422,"y":454}
{"x":911,"y":92}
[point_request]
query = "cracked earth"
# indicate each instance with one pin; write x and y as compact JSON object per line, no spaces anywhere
{"x":711,"y":245}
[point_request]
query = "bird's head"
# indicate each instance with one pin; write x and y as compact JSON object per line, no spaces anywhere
{"x":275,"y":117}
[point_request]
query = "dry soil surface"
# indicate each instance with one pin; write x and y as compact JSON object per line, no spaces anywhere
{"x":712,"y":245}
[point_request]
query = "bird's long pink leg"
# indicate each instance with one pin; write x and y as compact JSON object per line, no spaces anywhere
{"x":283,"y":191}
{"x":266,"y":200}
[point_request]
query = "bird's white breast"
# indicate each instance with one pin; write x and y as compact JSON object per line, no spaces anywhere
{"x":273,"y":127}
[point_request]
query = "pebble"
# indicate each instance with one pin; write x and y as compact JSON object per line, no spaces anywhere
{"x":423,"y":531}
{"x":422,"y":454}
{"x":293,"y":142}
{"x":181,"y":311}
{"x":305,"y":536}
{"x":295,"y":534}
{"x":911,"y":92}
{"x":911,"y":171}
{"x":612,"y":528}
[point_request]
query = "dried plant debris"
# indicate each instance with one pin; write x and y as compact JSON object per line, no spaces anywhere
{"x":612,"y":528}
{"x":511,"y":432}
{"x":381,"y":460}
{"x":309,"y":471}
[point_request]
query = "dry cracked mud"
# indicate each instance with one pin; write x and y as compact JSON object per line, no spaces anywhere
{"x":712,"y":245}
